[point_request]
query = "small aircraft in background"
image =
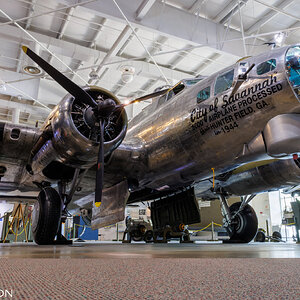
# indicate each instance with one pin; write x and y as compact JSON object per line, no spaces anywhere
{"x":236,"y":132}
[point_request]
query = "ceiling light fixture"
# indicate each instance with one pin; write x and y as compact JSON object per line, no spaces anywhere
{"x":32,"y":70}
{"x":93,"y":75}
{"x":127,"y":73}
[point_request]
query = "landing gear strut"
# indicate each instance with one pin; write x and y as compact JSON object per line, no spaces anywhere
{"x":240,"y":219}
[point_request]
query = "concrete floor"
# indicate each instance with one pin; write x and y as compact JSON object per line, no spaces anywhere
{"x":142,"y":250}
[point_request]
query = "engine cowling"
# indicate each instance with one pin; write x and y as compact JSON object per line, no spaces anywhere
{"x":265,"y":178}
{"x":73,"y":141}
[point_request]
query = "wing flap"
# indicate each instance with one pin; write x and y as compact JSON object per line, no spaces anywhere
{"x":112,"y":209}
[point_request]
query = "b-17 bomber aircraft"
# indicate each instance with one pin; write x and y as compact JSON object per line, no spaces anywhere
{"x":236,"y":132}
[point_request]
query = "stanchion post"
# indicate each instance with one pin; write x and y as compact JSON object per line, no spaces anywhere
{"x":18,"y":221}
{"x":74,"y":230}
{"x":24,"y":225}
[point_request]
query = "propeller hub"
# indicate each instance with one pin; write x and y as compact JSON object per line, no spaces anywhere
{"x":105,"y":108}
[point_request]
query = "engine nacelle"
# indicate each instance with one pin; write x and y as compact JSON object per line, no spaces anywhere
{"x":73,"y":142}
{"x":264,"y":178}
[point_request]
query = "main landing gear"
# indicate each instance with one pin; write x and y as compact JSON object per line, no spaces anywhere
{"x":240,"y":220}
{"x":50,"y":211}
{"x":46,"y":216}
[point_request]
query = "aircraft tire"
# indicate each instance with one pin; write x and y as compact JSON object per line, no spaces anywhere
{"x":260,"y":237}
{"x":245,"y":225}
{"x":276,"y":236}
{"x":46,"y":216}
{"x":137,"y":238}
{"x":148,"y":237}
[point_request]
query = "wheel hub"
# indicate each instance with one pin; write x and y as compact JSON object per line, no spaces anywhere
{"x":237,"y":223}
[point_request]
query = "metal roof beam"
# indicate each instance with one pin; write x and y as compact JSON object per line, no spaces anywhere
{"x":70,"y":49}
{"x":122,"y":48}
{"x":31,"y":90}
{"x":30,"y":14}
{"x":208,"y":61}
{"x":268,"y":17}
{"x":118,"y":86}
{"x":27,"y":25}
{"x":226,"y":10}
{"x":196,"y":6}
{"x":65,"y":22}
{"x":97,"y":34}
{"x":115,"y":48}
{"x":156,"y":46}
{"x":27,"y":108}
{"x":229,"y":11}
{"x":143,"y":9}
{"x":91,"y":45}
{"x":173,"y":23}
{"x":80,"y":52}
{"x":179,"y":57}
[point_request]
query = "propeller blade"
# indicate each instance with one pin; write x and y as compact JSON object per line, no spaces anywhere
{"x":61,"y":79}
{"x":100,"y":167}
{"x":143,"y":98}
{"x":149,"y":96}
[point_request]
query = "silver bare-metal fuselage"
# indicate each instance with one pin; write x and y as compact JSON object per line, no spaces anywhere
{"x":175,"y":141}
{"x":179,"y":141}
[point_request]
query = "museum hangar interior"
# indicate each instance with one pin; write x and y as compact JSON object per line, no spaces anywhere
{"x":149,"y":149}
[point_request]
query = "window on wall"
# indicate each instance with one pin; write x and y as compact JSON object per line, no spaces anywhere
{"x":224,"y":82}
{"x":203,"y":94}
{"x":266,"y":66}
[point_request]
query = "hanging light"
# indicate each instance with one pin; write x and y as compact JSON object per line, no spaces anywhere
{"x":93,"y":75}
{"x":127,"y":73}
{"x":32,"y":70}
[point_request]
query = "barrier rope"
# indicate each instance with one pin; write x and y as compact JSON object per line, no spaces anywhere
{"x":210,"y":224}
{"x":21,"y":231}
{"x":70,"y":229}
{"x":290,"y":224}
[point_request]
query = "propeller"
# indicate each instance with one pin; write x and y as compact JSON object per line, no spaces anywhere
{"x":99,"y":112}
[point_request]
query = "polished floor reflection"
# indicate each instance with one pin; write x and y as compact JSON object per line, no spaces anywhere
{"x":142,"y":250}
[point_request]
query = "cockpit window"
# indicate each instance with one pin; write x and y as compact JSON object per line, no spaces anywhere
{"x":266,"y":66}
{"x":293,"y":68}
{"x":190,"y":82}
{"x":203,"y":94}
{"x":177,"y":88}
{"x":224,"y":82}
